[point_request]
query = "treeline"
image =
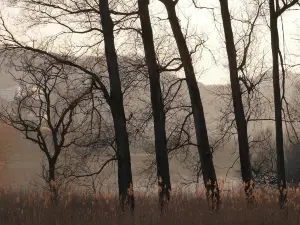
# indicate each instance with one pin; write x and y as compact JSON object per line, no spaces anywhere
{"x":82,"y":104}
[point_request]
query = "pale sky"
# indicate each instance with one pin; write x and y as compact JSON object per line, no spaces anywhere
{"x":201,"y":21}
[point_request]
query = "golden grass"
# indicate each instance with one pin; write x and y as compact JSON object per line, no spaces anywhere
{"x":34,"y":208}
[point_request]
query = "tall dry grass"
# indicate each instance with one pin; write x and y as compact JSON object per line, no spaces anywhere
{"x":35,"y":208}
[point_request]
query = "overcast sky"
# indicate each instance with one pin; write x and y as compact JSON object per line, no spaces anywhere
{"x":202,"y":21}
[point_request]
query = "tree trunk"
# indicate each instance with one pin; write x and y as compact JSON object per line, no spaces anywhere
{"x":52,"y":180}
{"x":162,"y":160}
{"x":117,"y":109}
{"x":205,"y":154}
{"x":278,"y":106}
{"x":239,"y":113}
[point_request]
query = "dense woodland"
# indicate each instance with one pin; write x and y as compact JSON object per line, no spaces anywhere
{"x":116,"y":78}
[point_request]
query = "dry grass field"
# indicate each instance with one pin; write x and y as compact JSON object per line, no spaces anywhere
{"x":34,"y":208}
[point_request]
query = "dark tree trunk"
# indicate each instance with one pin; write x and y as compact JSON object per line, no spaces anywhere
{"x":278,"y":105}
{"x":162,"y":160}
{"x":239,"y":113}
{"x":205,"y":154}
{"x":117,"y":109}
{"x":52,"y":180}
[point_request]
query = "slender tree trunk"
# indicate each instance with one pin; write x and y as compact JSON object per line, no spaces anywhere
{"x":278,"y":105}
{"x":117,"y":109}
{"x":162,"y":160}
{"x":205,"y":154}
{"x":237,"y":103}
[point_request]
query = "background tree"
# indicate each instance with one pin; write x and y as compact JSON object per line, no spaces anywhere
{"x":47,"y":109}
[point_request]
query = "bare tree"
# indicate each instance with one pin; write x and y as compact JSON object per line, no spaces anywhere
{"x":162,"y":160}
{"x":208,"y":170}
{"x":277,"y":8}
{"x":239,"y":113}
{"x":117,"y":109}
{"x":48,"y":109}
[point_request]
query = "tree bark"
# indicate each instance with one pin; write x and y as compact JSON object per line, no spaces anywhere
{"x":162,"y":160}
{"x":117,"y":109}
{"x":205,"y":154}
{"x":277,"y":104}
{"x":52,"y":180}
{"x":239,"y":113}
